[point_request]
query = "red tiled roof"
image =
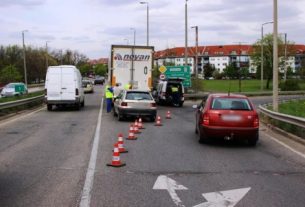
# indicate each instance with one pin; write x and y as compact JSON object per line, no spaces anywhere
{"x":215,"y":50}
{"x":98,"y":61}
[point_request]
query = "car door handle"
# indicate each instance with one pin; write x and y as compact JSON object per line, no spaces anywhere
{"x":63,"y":88}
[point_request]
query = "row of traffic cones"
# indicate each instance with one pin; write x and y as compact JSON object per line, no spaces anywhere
{"x":133,"y":129}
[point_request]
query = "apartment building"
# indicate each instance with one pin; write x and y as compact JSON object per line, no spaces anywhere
{"x":220,"y":56}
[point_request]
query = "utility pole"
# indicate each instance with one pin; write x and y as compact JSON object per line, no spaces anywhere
{"x":47,"y":58}
{"x":147,"y":22}
{"x":275,"y":58}
{"x":285,"y":57}
{"x":196,"y":55}
{"x":262,"y":55}
{"x":185,"y":51}
{"x":238,"y":65}
{"x":24,"y":59}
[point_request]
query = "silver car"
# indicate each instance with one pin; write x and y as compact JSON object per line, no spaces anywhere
{"x":136,"y":103}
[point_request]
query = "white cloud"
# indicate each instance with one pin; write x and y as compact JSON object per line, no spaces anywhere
{"x":91,"y":26}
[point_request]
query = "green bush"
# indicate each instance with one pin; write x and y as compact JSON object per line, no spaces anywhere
{"x":290,"y":85}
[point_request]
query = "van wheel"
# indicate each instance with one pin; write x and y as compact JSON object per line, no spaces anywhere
{"x":180,"y":104}
{"x":49,"y":106}
{"x":77,"y":106}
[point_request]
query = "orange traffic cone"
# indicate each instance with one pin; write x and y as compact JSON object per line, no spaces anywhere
{"x":168,"y":115}
{"x":136,"y":128}
{"x":140,"y":124}
{"x":116,"y":162}
{"x":158,"y":122}
{"x":131,"y":135}
{"x":120,"y":144}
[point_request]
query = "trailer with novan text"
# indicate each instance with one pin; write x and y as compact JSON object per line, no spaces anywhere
{"x":131,"y":65}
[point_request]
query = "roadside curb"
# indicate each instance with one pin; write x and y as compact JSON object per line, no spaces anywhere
{"x":284,"y":133}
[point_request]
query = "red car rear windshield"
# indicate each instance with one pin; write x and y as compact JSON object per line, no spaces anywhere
{"x":221,"y":103}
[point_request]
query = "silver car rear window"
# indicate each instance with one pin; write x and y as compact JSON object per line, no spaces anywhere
{"x":138,"y":96}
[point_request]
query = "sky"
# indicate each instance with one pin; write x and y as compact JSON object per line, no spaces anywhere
{"x":92,"y":26}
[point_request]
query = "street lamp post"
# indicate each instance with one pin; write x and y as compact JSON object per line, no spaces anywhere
{"x":24,"y":59}
{"x":127,"y":41}
{"x":47,"y":58}
{"x":134,"y":35}
{"x":147,"y":22}
{"x":196,"y":50}
{"x":262,"y":56}
{"x":275,"y":57}
{"x":285,"y":58}
{"x":185,"y":51}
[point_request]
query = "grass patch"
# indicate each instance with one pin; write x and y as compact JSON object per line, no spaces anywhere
{"x":15,"y":98}
{"x":294,"y":108}
{"x":233,"y":85}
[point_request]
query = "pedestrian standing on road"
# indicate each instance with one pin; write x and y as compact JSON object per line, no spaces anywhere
{"x":117,"y":89}
{"x":109,"y":97}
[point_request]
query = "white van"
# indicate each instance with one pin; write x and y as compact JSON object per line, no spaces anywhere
{"x":63,"y":86}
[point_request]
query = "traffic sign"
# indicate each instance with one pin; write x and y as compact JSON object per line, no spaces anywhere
{"x":162,"y":76}
{"x":179,"y":72}
{"x":162,"y":69}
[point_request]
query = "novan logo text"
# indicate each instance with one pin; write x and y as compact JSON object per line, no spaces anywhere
{"x":136,"y":57}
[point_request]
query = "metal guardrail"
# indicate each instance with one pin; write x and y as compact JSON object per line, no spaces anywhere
{"x":297,"y":121}
{"x":20,"y":102}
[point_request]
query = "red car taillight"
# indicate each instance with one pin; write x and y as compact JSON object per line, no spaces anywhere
{"x":76,"y":91}
{"x":206,"y":119}
{"x":256,"y":122}
{"x":153,"y":105}
{"x":123,"y":104}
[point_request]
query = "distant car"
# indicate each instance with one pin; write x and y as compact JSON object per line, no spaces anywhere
{"x":137,"y":103}
{"x":99,"y":80}
{"x":87,"y":86}
{"x":228,"y":117}
{"x":14,"y":89}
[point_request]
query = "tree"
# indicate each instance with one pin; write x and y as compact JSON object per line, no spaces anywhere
{"x":231,"y":71}
{"x":100,"y":69}
{"x":10,"y":74}
{"x":268,"y":56}
{"x":208,"y":70}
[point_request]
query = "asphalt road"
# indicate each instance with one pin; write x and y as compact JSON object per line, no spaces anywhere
{"x":44,"y":158}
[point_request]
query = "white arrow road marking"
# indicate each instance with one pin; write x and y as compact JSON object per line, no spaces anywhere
{"x":227,"y":198}
{"x":165,"y":183}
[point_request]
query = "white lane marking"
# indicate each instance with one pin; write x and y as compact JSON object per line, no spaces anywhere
{"x":21,"y":117}
{"x":86,"y":193}
{"x":285,"y":145}
{"x":165,"y":183}
{"x":227,"y":198}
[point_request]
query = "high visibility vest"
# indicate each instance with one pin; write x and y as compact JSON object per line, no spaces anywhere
{"x":127,"y":87}
{"x":108,"y":93}
{"x":174,"y":89}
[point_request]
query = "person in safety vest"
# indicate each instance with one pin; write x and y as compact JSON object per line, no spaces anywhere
{"x":127,"y":86}
{"x":175,"y":94}
{"x":109,"y":97}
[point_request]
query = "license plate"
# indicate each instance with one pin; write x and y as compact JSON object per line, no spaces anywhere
{"x":231,"y":118}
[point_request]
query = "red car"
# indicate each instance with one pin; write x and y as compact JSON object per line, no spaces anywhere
{"x":227,"y":116}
